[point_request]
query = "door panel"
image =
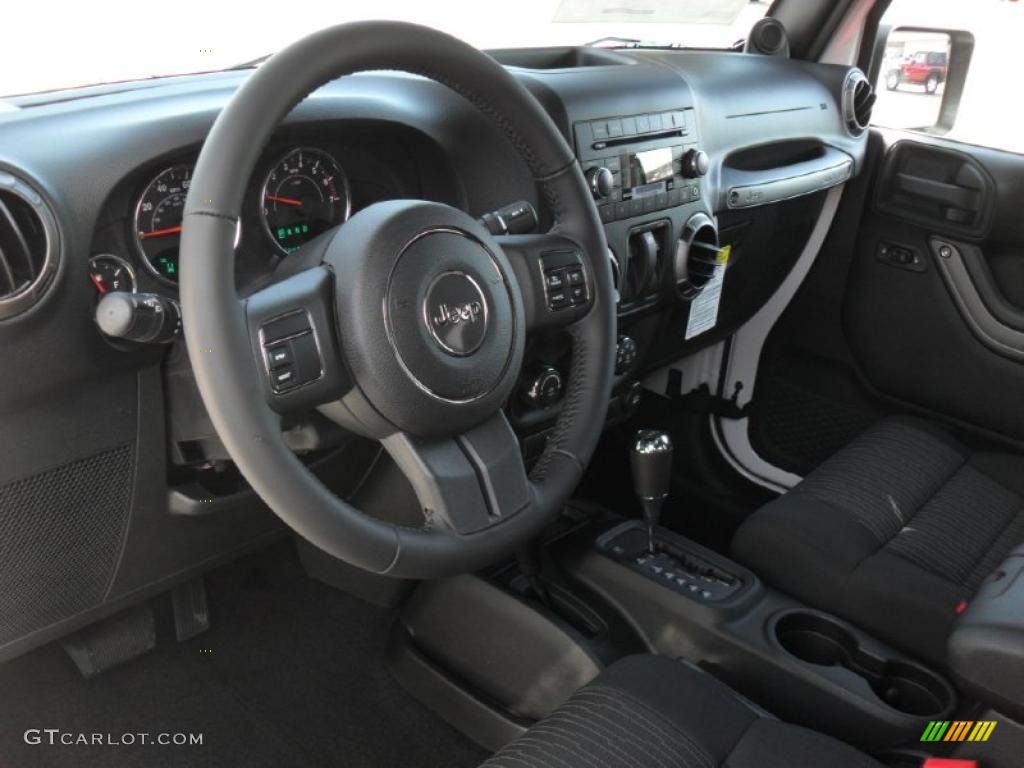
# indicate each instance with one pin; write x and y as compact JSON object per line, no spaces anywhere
{"x":916,"y":304}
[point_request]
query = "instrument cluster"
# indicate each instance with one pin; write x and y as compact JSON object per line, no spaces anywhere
{"x":299,"y":189}
{"x":302,"y":193}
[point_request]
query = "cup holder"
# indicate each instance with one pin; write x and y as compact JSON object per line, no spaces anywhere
{"x":822,"y":641}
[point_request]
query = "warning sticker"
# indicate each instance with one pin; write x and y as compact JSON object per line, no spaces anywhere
{"x":704,"y":308}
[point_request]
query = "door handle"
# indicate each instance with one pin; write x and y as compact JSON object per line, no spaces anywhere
{"x":953,"y":195}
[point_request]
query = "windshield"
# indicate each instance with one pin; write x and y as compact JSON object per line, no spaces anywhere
{"x":56,"y":44}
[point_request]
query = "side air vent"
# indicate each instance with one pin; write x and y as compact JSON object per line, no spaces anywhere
{"x":29,"y":246}
{"x":858,"y":101}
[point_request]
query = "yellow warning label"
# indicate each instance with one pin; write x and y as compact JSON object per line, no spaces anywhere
{"x":724,"y":254}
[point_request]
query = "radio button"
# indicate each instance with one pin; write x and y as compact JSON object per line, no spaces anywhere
{"x":643,"y":123}
{"x":629,"y":126}
{"x":599,"y":129}
{"x":614,"y":127}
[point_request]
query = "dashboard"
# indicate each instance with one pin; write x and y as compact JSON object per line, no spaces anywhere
{"x":690,"y":155}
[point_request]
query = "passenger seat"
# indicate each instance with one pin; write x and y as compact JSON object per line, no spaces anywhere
{"x":893,"y":533}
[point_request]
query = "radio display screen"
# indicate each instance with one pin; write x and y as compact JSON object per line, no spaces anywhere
{"x":651,"y":166}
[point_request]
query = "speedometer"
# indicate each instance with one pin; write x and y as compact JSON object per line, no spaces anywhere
{"x":305,"y":194}
{"x":158,"y":216}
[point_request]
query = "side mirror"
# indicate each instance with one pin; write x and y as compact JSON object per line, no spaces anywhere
{"x":919,"y":75}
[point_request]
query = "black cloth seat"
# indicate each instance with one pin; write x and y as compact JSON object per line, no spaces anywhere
{"x":892,"y":532}
{"x":655,"y":712}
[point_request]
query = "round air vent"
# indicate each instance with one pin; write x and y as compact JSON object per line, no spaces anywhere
{"x":696,"y":255}
{"x":29,"y":246}
{"x":858,"y":101}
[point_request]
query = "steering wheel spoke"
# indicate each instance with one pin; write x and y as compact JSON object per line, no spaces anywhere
{"x":292,"y":331}
{"x":466,"y":483}
{"x":553,"y":277}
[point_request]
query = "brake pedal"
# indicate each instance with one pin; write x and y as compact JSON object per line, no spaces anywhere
{"x":191,"y":614}
{"x":113,"y":641}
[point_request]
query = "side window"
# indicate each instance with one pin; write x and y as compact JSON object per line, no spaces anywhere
{"x":944,"y":67}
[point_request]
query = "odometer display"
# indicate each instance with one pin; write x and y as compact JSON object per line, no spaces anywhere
{"x":305,"y":194}
{"x":158,"y":216}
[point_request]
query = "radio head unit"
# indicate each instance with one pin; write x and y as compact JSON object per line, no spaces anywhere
{"x":640,"y":163}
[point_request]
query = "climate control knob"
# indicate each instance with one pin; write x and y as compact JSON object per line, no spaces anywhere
{"x":543,"y":388}
{"x":601,"y":182}
{"x":695,"y":163}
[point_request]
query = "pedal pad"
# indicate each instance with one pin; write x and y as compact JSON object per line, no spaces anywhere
{"x":191,"y":615}
{"x":113,"y":641}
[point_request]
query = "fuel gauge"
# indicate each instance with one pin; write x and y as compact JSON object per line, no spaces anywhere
{"x":110,"y":273}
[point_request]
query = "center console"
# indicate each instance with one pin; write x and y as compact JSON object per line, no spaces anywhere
{"x":494,"y":652}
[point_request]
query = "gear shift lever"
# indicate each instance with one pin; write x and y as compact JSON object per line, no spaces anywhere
{"x":651,"y":461}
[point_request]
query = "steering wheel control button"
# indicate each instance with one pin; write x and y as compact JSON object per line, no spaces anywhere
{"x":284,"y":379}
{"x":565,"y":281}
{"x":279,"y":355}
{"x":455,"y":311}
{"x":291,"y":352}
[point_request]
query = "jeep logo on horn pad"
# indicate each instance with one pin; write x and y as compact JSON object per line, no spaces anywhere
{"x":455,"y":312}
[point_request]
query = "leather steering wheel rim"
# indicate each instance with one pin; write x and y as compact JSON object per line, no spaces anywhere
{"x":219,"y":336}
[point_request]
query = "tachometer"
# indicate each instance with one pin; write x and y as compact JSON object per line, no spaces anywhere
{"x":158,"y":216}
{"x":305,"y":193}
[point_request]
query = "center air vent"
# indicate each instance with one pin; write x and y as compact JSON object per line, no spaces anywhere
{"x":696,"y":255}
{"x":28,"y":246}
{"x":858,"y":101}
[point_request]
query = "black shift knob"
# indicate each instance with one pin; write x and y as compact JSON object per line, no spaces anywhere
{"x":651,"y":461}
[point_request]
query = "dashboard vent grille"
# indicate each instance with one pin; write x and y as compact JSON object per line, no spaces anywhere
{"x":697,"y":254}
{"x":28,"y":246}
{"x":858,"y":101}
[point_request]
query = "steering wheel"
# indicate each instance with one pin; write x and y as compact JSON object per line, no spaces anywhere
{"x":410,"y":326}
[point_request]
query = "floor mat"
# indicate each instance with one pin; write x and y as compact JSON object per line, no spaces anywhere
{"x":291,"y":673}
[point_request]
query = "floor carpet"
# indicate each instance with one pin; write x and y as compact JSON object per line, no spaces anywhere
{"x":291,"y":673}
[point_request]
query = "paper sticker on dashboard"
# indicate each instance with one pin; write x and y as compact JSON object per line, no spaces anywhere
{"x":704,"y":308}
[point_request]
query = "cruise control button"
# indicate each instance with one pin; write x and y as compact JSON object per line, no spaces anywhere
{"x":283,"y":378}
{"x":558,"y":300}
{"x":279,"y":355}
{"x":579,"y":294}
{"x":554,"y":280}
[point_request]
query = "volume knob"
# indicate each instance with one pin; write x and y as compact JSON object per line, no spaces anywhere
{"x":601,"y":182}
{"x":695,"y":163}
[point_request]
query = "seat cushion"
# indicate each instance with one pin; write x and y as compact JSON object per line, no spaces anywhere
{"x":892,"y":532}
{"x":655,"y":712}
